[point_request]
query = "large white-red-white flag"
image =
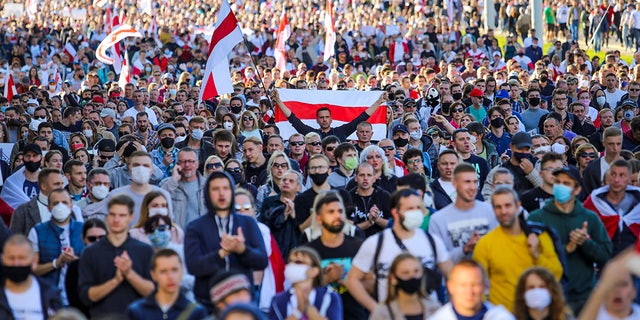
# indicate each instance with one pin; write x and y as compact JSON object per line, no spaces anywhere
{"x":344,"y":106}
{"x":284,"y":32}
{"x":9,"y":87}
{"x":330,"y":32}
{"x":70,"y":51}
{"x":226,"y":34}
{"x":119,"y":33}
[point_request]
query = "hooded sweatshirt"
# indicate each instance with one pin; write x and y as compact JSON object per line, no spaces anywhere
{"x":202,"y":243}
{"x":596,"y":249}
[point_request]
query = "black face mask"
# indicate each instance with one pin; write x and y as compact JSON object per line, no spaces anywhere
{"x":446,"y":106}
{"x":534,"y":102}
{"x":497,"y":123}
{"x":544,"y":79}
{"x":12,"y":122}
{"x":167,"y":142}
{"x":319,"y":178}
{"x":31,"y":166}
{"x":237,"y":177}
{"x":236,"y":110}
{"x":17,"y":274}
{"x":180,"y":113}
{"x":410,"y":286}
{"x":457,"y":96}
{"x":521,"y":54}
{"x":519,"y":156}
{"x":400,"y":142}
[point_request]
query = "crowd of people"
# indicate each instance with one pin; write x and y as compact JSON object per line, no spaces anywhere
{"x":505,"y":186}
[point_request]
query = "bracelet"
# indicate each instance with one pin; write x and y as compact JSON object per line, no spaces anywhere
{"x":53,"y":263}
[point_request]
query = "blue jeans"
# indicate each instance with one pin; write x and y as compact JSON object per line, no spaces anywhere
{"x":574,"y":30}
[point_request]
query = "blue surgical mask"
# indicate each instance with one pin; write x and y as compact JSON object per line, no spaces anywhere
{"x":173,"y":91}
{"x":160,"y":238}
{"x":562,"y":193}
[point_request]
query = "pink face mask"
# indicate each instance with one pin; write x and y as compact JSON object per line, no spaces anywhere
{"x":76,"y":146}
{"x":585,"y":102}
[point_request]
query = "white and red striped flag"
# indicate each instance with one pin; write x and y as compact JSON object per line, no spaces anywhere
{"x":70,"y":51}
{"x":330,"y":33}
{"x":125,"y":74}
{"x":610,"y":217}
{"x":344,"y":106}
{"x":119,"y":33}
{"x":100,"y":3}
{"x":154,"y":32}
{"x":226,"y":34}
{"x":284,"y":32}
{"x":9,"y":87}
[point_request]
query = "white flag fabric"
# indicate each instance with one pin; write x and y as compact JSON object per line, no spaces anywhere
{"x":119,"y":33}
{"x":284,"y":32}
{"x":330,"y":32}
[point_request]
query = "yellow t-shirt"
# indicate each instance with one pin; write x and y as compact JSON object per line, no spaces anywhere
{"x":505,"y":257}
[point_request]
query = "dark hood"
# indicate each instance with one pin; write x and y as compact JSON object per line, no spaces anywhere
{"x":207,"y":197}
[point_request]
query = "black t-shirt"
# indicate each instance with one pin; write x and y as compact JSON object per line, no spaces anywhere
{"x":304,"y":203}
{"x":534,"y":199}
{"x":342,"y":255}
{"x":362,"y":205}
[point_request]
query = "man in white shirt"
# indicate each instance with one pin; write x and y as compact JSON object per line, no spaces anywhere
{"x":612,"y":93}
{"x":138,"y":106}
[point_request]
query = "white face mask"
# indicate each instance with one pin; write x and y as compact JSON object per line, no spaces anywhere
{"x":538,"y":298}
{"x":88,"y":133}
{"x":140,"y":174}
{"x":197,"y":134}
{"x":228,"y":125}
{"x":415,"y":135}
{"x":412,"y":219}
{"x":601,"y":100}
{"x":60,"y":212}
{"x":295,"y":273}
{"x":100,"y":192}
{"x":158,"y":211}
{"x":180,"y":138}
{"x":558,"y":148}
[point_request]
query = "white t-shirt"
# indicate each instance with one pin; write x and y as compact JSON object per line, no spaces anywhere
{"x":418,"y":245}
{"x":132,"y":112}
{"x":604,"y":315}
{"x":448,"y":187}
{"x":64,"y":242}
{"x":455,"y":226}
{"x":26,"y":305}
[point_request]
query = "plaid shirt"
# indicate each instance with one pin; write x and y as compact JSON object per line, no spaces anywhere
{"x":516,"y":106}
{"x":151,"y":142}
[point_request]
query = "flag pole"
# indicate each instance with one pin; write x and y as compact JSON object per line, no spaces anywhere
{"x":246,"y":45}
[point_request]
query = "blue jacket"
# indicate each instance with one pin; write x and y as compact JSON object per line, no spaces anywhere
{"x":148,"y":308}
{"x":49,"y":245}
{"x":328,"y":303}
{"x":202,"y":243}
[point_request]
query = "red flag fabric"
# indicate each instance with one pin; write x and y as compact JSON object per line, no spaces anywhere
{"x":344,"y":106}
{"x":226,"y":35}
{"x":9,"y":87}
{"x":284,"y":32}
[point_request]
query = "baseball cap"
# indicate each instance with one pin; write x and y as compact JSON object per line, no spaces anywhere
{"x":571,"y":172}
{"x":502,"y":94}
{"x":32,"y":147}
{"x":97,"y":99}
{"x":628,"y":102}
{"x":33,"y":101}
{"x":107,"y":145}
{"x":475,"y":93}
{"x":408,"y":101}
{"x":400,"y":127}
{"x":107,"y":112}
{"x":165,"y":126}
{"x":229,"y":285}
{"x":521,"y":140}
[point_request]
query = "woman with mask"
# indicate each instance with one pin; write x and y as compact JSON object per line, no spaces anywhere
{"x":236,"y":170}
{"x":230,"y":123}
{"x":155,"y":204}
{"x":405,"y":297}
{"x":277,"y":165}
{"x":308,"y":298}
{"x":90,"y":131}
{"x":539,"y":297}
{"x":77,"y":140}
{"x":599,"y":100}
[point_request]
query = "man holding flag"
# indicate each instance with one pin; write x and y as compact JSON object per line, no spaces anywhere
{"x":324,"y":118}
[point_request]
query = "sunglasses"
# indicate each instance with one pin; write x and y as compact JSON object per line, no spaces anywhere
{"x":330,"y":149}
{"x":247,"y":118}
{"x":280,"y":165}
{"x":388,"y":148}
{"x":216,"y":165}
{"x":234,"y":170}
{"x":162,"y":228}
{"x":315,"y":143}
{"x":591,"y":155}
{"x":105,"y":157}
{"x":341,"y":86}
{"x":245,"y":207}
{"x":297,"y":143}
{"x":458,"y":110}
{"x":93,"y":239}
{"x":123,"y":133}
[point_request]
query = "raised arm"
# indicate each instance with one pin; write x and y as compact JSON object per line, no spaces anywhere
{"x":372,"y":109}
{"x":275,"y":96}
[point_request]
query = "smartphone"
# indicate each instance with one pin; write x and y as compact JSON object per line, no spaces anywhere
{"x":509,"y":152}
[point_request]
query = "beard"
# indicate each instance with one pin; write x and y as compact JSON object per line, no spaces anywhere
{"x":333,"y":228}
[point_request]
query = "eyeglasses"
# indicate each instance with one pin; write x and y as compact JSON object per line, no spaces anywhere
{"x":315,"y":143}
{"x":633,"y":90}
{"x":296,"y":143}
{"x":247,"y":206}
{"x":93,"y":239}
{"x":388,"y":148}
{"x":162,"y":228}
{"x":412,"y":161}
{"x":212,"y":165}
{"x":181,"y":162}
{"x":212,"y":124}
{"x":247,"y":118}
{"x":330,"y":149}
{"x":283,"y":165}
{"x":591,"y":155}
{"x":234,"y":170}
{"x":457,"y":110}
